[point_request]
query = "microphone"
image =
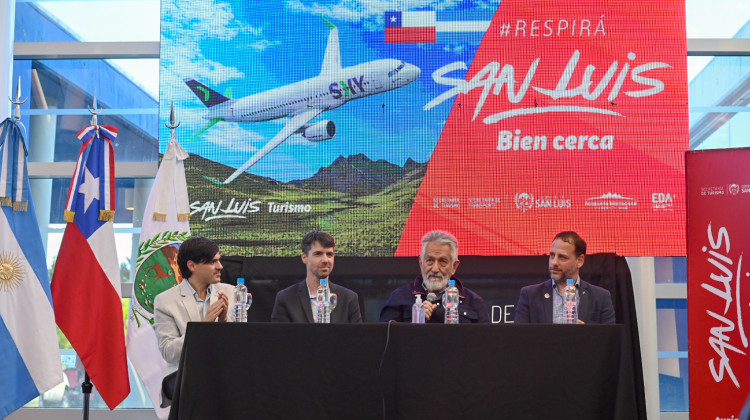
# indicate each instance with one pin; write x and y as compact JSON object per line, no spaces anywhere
{"x":431,"y":297}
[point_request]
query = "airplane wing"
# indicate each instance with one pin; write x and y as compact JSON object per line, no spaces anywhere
{"x":294,"y":124}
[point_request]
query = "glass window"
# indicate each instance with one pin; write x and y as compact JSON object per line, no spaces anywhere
{"x":671,"y":317}
{"x":60,"y":94}
{"x":670,"y":270}
{"x":719,"y":96}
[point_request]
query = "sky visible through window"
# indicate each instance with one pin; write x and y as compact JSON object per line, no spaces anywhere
{"x":113,"y":21}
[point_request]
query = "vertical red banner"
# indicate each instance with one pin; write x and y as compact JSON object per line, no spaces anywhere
{"x":718,"y":235}
{"x":572,"y":116}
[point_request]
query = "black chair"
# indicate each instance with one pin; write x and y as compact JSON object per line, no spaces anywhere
{"x":167,"y":389}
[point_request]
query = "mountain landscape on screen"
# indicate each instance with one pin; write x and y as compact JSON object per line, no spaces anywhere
{"x":360,"y":201}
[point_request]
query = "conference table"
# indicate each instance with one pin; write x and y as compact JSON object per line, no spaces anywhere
{"x":404,"y":371}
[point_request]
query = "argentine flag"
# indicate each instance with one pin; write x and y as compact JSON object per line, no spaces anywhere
{"x":28,"y":339}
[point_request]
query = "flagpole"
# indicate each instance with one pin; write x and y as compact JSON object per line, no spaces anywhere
{"x":87,"y":386}
{"x":7,"y":27}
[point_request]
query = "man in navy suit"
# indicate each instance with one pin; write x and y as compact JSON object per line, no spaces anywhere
{"x":296,"y":303}
{"x":544,"y":303}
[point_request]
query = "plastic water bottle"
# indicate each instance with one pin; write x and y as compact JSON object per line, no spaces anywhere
{"x":323,"y":303}
{"x":571,"y":306}
{"x":450,"y":303}
{"x":242,"y":301}
{"x":417,"y":311}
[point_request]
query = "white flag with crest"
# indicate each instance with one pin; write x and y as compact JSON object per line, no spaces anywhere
{"x":165,"y":226}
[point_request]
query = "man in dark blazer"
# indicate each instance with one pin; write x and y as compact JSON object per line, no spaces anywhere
{"x":438,"y":263}
{"x":543,"y":303}
{"x":296,"y":303}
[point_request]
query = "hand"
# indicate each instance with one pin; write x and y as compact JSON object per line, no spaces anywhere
{"x":581,"y":322}
{"x":224,"y":297}
{"x":428,"y":308}
{"x":223,"y":315}
{"x":218,"y":309}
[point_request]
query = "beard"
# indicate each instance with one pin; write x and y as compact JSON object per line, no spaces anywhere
{"x":435,"y":282}
{"x":562,"y":275}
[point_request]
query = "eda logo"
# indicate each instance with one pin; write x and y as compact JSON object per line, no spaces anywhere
{"x":662,"y":201}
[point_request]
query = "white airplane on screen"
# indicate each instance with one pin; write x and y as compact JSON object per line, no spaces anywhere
{"x":303,"y":101}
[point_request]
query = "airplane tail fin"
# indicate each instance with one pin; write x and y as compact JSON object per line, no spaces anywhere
{"x":332,"y":58}
{"x":208,"y":96}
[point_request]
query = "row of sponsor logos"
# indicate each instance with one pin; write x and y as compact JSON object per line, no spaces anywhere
{"x":525,"y":201}
{"x":729,"y":189}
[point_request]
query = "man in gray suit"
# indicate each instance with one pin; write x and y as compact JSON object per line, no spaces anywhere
{"x":296,"y":303}
{"x":199,"y":297}
{"x":544,"y":302}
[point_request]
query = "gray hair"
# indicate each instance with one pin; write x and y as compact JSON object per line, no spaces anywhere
{"x":441,"y":238}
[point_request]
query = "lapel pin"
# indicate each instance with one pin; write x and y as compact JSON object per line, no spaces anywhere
{"x":546,"y":295}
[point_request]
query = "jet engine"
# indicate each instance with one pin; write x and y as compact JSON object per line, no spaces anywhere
{"x":320,"y":131}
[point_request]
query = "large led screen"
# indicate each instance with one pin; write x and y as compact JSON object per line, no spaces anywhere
{"x":501,"y":122}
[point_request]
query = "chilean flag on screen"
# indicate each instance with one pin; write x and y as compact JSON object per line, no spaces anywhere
{"x":86,"y":280}
{"x":410,"y":27}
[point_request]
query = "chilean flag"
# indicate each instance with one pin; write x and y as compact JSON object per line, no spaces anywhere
{"x":86,"y":281}
{"x":410,"y":27}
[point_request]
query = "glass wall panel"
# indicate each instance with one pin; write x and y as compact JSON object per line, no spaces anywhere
{"x":60,"y":94}
{"x":671,"y":318}
{"x":719,"y":97}
{"x":670,"y":270}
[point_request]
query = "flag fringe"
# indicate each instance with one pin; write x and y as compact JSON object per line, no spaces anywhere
{"x":5,"y":201}
{"x":69,"y":216}
{"x":183,"y":217}
{"x":160,"y":217}
{"x":21,"y":206}
{"x":106,"y":215}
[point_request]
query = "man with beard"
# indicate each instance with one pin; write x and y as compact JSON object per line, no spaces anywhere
{"x":297,"y":302}
{"x":544,"y":303}
{"x":438,"y":263}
